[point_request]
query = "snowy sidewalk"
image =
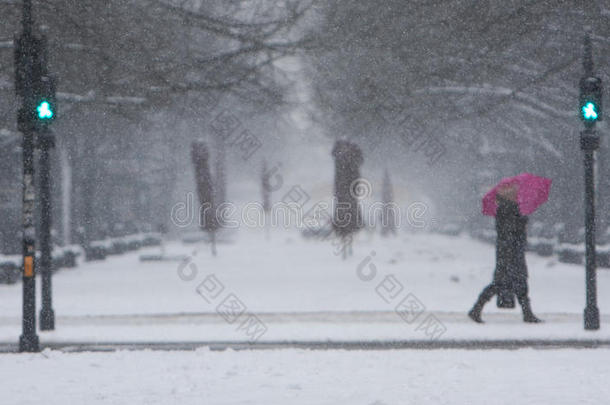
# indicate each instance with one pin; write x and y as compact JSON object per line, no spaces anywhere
{"x":308,"y":327}
{"x":414,"y":287}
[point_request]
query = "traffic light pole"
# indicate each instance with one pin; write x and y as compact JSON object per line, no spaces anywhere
{"x":589,"y":143}
{"x":591,"y":111}
{"x":47,"y":316}
{"x":28,"y":341}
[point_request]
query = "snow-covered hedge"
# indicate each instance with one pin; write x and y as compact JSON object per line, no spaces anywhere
{"x":10,"y":265}
{"x":67,"y":256}
{"x":98,"y":250}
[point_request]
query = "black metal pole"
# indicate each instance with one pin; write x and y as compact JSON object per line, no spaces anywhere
{"x":47,"y":316}
{"x":26,"y":19}
{"x":589,"y":144}
{"x":28,"y":341}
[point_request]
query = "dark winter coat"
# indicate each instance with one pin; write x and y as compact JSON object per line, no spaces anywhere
{"x":511,"y":269}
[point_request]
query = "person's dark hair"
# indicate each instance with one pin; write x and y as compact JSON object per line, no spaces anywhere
{"x":507,"y":206}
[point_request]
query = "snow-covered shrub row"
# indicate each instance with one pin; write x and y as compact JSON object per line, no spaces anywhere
{"x":66,"y":256}
{"x":99,"y":250}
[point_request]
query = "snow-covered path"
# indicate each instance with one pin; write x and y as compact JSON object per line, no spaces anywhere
{"x":300,"y":377}
{"x":301,"y":290}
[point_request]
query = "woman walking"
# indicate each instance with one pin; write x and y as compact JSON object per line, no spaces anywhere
{"x":510,"y":201}
{"x":511,"y":270}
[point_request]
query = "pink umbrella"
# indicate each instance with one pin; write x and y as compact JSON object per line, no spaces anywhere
{"x":528,"y":190}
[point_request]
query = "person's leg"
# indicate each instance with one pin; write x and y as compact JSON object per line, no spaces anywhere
{"x":486,"y":294}
{"x":521,"y":290}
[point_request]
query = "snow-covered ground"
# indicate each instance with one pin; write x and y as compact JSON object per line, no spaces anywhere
{"x":300,"y":290}
{"x":297,"y":377}
{"x":295,"y":289}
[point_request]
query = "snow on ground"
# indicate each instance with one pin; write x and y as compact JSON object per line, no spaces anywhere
{"x":300,"y":289}
{"x":295,"y":377}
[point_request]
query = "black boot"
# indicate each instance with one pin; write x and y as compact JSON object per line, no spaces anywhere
{"x":486,"y":294}
{"x":528,"y":315}
{"x":475,"y":314}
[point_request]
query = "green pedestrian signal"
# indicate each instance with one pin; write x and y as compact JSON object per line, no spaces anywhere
{"x":46,"y":106}
{"x":590,"y":100}
{"x":589,"y":112}
{"x":45,"y":111}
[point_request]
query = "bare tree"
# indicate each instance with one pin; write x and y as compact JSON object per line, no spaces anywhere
{"x":205,"y":189}
{"x":492,"y":79}
{"x":347,"y":216}
{"x":388,"y":213}
{"x":266,"y":195}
